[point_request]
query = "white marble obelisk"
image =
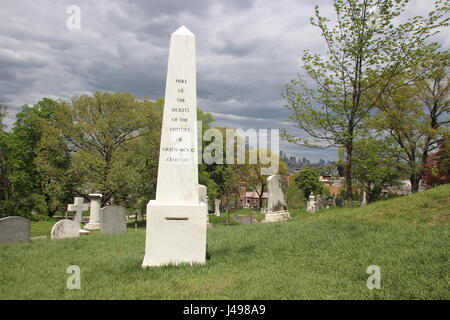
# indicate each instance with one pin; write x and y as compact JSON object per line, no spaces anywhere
{"x":176,"y":220}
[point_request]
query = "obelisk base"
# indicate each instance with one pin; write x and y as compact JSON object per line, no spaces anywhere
{"x":92,"y":226}
{"x":176,"y":234}
{"x":277,"y":216}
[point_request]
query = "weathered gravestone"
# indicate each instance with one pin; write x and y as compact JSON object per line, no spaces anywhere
{"x":14,"y":229}
{"x":203,"y":198}
{"x":312,"y":205}
{"x":65,"y":229}
{"x":321,"y":202}
{"x":364,"y":199}
{"x":94,"y":216}
{"x":202,"y":194}
{"x":339,"y":201}
{"x":217,"y":207}
{"x":113,"y":220}
{"x":277,"y":209}
{"x":245,"y":219}
{"x":78,"y":207}
{"x":176,"y":220}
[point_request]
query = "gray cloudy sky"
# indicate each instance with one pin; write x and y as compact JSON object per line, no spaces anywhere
{"x":246,"y":51}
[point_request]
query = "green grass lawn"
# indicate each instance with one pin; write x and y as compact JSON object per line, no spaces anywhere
{"x":318,"y":256}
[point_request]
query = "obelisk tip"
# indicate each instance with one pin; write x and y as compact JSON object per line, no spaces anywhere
{"x":183,"y":31}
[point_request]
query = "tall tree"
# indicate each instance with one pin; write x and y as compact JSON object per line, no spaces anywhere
{"x":101,"y":131}
{"x":375,"y":166}
{"x":307,"y":180}
{"x":416,"y":115}
{"x":365,"y":41}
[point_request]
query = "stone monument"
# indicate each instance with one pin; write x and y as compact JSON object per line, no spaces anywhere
{"x":94,"y":216}
{"x":65,"y":229}
{"x":312,"y":206}
{"x":364,"y":199}
{"x":176,"y":220}
{"x":14,"y":229}
{"x":277,"y":209}
{"x":113,"y":220}
{"x":78,"y":207}
{"x":217,"y":207}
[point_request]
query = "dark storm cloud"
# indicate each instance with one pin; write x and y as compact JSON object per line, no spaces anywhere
{"x":246,"y":51}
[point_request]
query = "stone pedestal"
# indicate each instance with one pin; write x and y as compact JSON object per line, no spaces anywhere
{"x":94,"y":217}
{"x":178,"y":234}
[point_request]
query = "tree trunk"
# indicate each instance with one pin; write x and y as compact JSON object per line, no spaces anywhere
{"x":415,"y":182}
{"x":348,"y":176}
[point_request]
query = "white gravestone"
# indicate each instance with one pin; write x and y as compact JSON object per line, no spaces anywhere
{"x":65,"y":229}
{"x":203,"y":198}
{"x":202,"y":194}
{"x":364,"y":199}
{"x":113,"y":220}
{"x":94,"y":216}
{"x":78,"y":206}
{"x":311,"y":208}
{"x":14,"y":229}
{"x":176,"y":220}
{"x":277,"y":209}
{"x":217,"y":207}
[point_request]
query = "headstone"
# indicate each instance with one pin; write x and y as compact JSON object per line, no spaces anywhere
{"x":203,"y":198}
{"x":245,"y":219}
{"x":65,"y":229}
{"x":339,"y":201}
{"x":113,"y":220}
{"x":364,"y":199}
{"x":202,"y":194}
{"x":78,"y":206}
{"x":312,"y":206}
{"x":217,"y":207}
{"x":94,"y":216}
{"x":176,"y":220}
{"x":277,"y":209}
{"x":321,"y":202}
{"x":14,"y":229}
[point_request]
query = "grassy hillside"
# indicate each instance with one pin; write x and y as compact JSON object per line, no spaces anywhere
{"x":319,"y":256}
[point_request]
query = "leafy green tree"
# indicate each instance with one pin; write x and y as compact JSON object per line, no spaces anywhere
{"x":32,"y":124}
{"x":375,"y":166}
{"x":3,"y":108}
{"x":416,"y":114}
{"x":364,"y":49}
{"x":102,"y":133}
{"x":295,"y":196}
{"x":307,"y":179}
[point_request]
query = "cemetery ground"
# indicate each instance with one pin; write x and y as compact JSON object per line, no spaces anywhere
{"x":320,"y":256}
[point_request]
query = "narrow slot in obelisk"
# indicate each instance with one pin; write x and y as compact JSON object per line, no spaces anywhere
{"x":176,"y":220}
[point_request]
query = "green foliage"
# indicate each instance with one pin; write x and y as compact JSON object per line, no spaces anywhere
{"x":414,"y":113}
{"x":360,"y":55}
{"x":103,"y":134}
{"x":295,"y":196}
{"x":375,"y":166}
{"x":307,"y":179}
